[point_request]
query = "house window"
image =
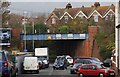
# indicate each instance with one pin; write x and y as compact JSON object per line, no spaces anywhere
{"x":96,"y":18}
{"x":111,"y":16}
{"x":106,"y":18}
{"x":66,"y":19}
{"x":81,"y":16}
{"x":53,"y":21}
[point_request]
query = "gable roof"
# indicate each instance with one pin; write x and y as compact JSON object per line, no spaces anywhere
{"x":59,"y":12}
{"x":94,"y":12}
{"x":102,"y":9}
{"x":67,"y":14}
{"x":73,"y":11}
{"x":81,"y":13}
{"x":50,"y":16}
{"x":87,"y":10}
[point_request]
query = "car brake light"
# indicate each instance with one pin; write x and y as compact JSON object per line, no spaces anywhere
{"x":5,"y":64}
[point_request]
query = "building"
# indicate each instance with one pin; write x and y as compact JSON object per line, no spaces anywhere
{"x":67,"y":14}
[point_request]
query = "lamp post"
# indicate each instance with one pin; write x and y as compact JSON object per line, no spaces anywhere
{"x":33,"y":33}
{"x":24,"y":24}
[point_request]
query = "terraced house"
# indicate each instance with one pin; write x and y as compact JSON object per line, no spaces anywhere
{"x":94,"y":13}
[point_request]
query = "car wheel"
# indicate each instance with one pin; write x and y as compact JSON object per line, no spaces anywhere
{"x":80,"y":75}
{"x":37,"y":72}
{"x":71,"y":72}
{"x":101,"y":75}
{"x":53,"y":68}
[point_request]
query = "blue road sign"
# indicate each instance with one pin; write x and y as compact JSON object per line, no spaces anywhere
{"x":25,"y":50}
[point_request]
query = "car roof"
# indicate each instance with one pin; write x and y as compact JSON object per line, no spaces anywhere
{"x":89,"y":64}
{"x":82,"y":57}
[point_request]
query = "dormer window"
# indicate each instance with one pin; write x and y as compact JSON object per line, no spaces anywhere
{"x":66,"y":19}
{"x":53,"y":21}
{"x":95,"y":18}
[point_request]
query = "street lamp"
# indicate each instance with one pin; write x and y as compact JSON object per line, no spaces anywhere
{"x":24,"y":24}
{"x":33,"y":33}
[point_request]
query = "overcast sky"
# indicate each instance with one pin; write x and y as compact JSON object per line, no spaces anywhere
{"x":47,"y":7}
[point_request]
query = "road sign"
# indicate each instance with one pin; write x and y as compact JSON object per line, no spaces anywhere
{"x":25,"y":50}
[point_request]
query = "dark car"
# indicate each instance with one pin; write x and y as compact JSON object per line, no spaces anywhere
{"x":74,"y":68}
{"x":107,"y":63}
{"x":60,"y":63}
{"x":6,"y":64}
{"x":87,"y":60}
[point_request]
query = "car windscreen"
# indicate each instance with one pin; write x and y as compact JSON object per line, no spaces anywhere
{"x":59,"y":60}
{"x":76,"y":65}
{"x":69,"y":58}
{"x":42,"y":58}
{"x":100,"y":66}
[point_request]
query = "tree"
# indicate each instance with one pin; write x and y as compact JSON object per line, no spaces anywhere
{"x":4,"y":12}
{"x":105,"y":38}
{"x":79,"y":25}
{"x":40,"y":28}
{"x":64,"y":29}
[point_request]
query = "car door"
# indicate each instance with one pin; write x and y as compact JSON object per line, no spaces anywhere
{"x":93,"y":70}
{"x":85,"y":70}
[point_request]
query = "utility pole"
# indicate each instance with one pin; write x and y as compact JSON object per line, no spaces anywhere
{"x":33,"y":34}
{"x":24,"y":24}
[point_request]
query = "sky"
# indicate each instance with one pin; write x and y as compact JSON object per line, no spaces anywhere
{"x":47,"y":7}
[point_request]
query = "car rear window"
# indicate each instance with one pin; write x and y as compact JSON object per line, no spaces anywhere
{"x":83,"y":61}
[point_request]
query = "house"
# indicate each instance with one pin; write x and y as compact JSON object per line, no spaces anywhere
{"x":95,"y":13}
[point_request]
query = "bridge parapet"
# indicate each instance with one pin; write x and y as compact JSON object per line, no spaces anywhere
{"x":53,"y":36}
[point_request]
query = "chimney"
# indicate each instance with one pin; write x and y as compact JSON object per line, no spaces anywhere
{"x":92,"y":6}
{"x":68,"y":6}
{"x":97,"y":4}
{"x":82,"y":6}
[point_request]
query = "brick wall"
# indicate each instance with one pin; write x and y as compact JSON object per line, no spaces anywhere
{"x":89,"y":46}
{"x":16,"y":32}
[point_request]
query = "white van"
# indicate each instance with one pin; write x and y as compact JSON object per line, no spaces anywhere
{"x":31,"y":64}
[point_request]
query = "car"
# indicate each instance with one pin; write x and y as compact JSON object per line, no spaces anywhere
{"x":43,"y":62}
{"x":40,"y":62}
{"x":6,"y":65}
{"x":96,"y":60}
{"x":60,"y":63}
{"x":74,"y":68}
{"x":87,"y":60}
{"x":107,"y":63}
{"x":5,"y":36}
{"x":69,"y":59}
{"x":95,"y":70}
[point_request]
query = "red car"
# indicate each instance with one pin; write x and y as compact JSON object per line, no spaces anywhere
{"x":95,"y":70}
